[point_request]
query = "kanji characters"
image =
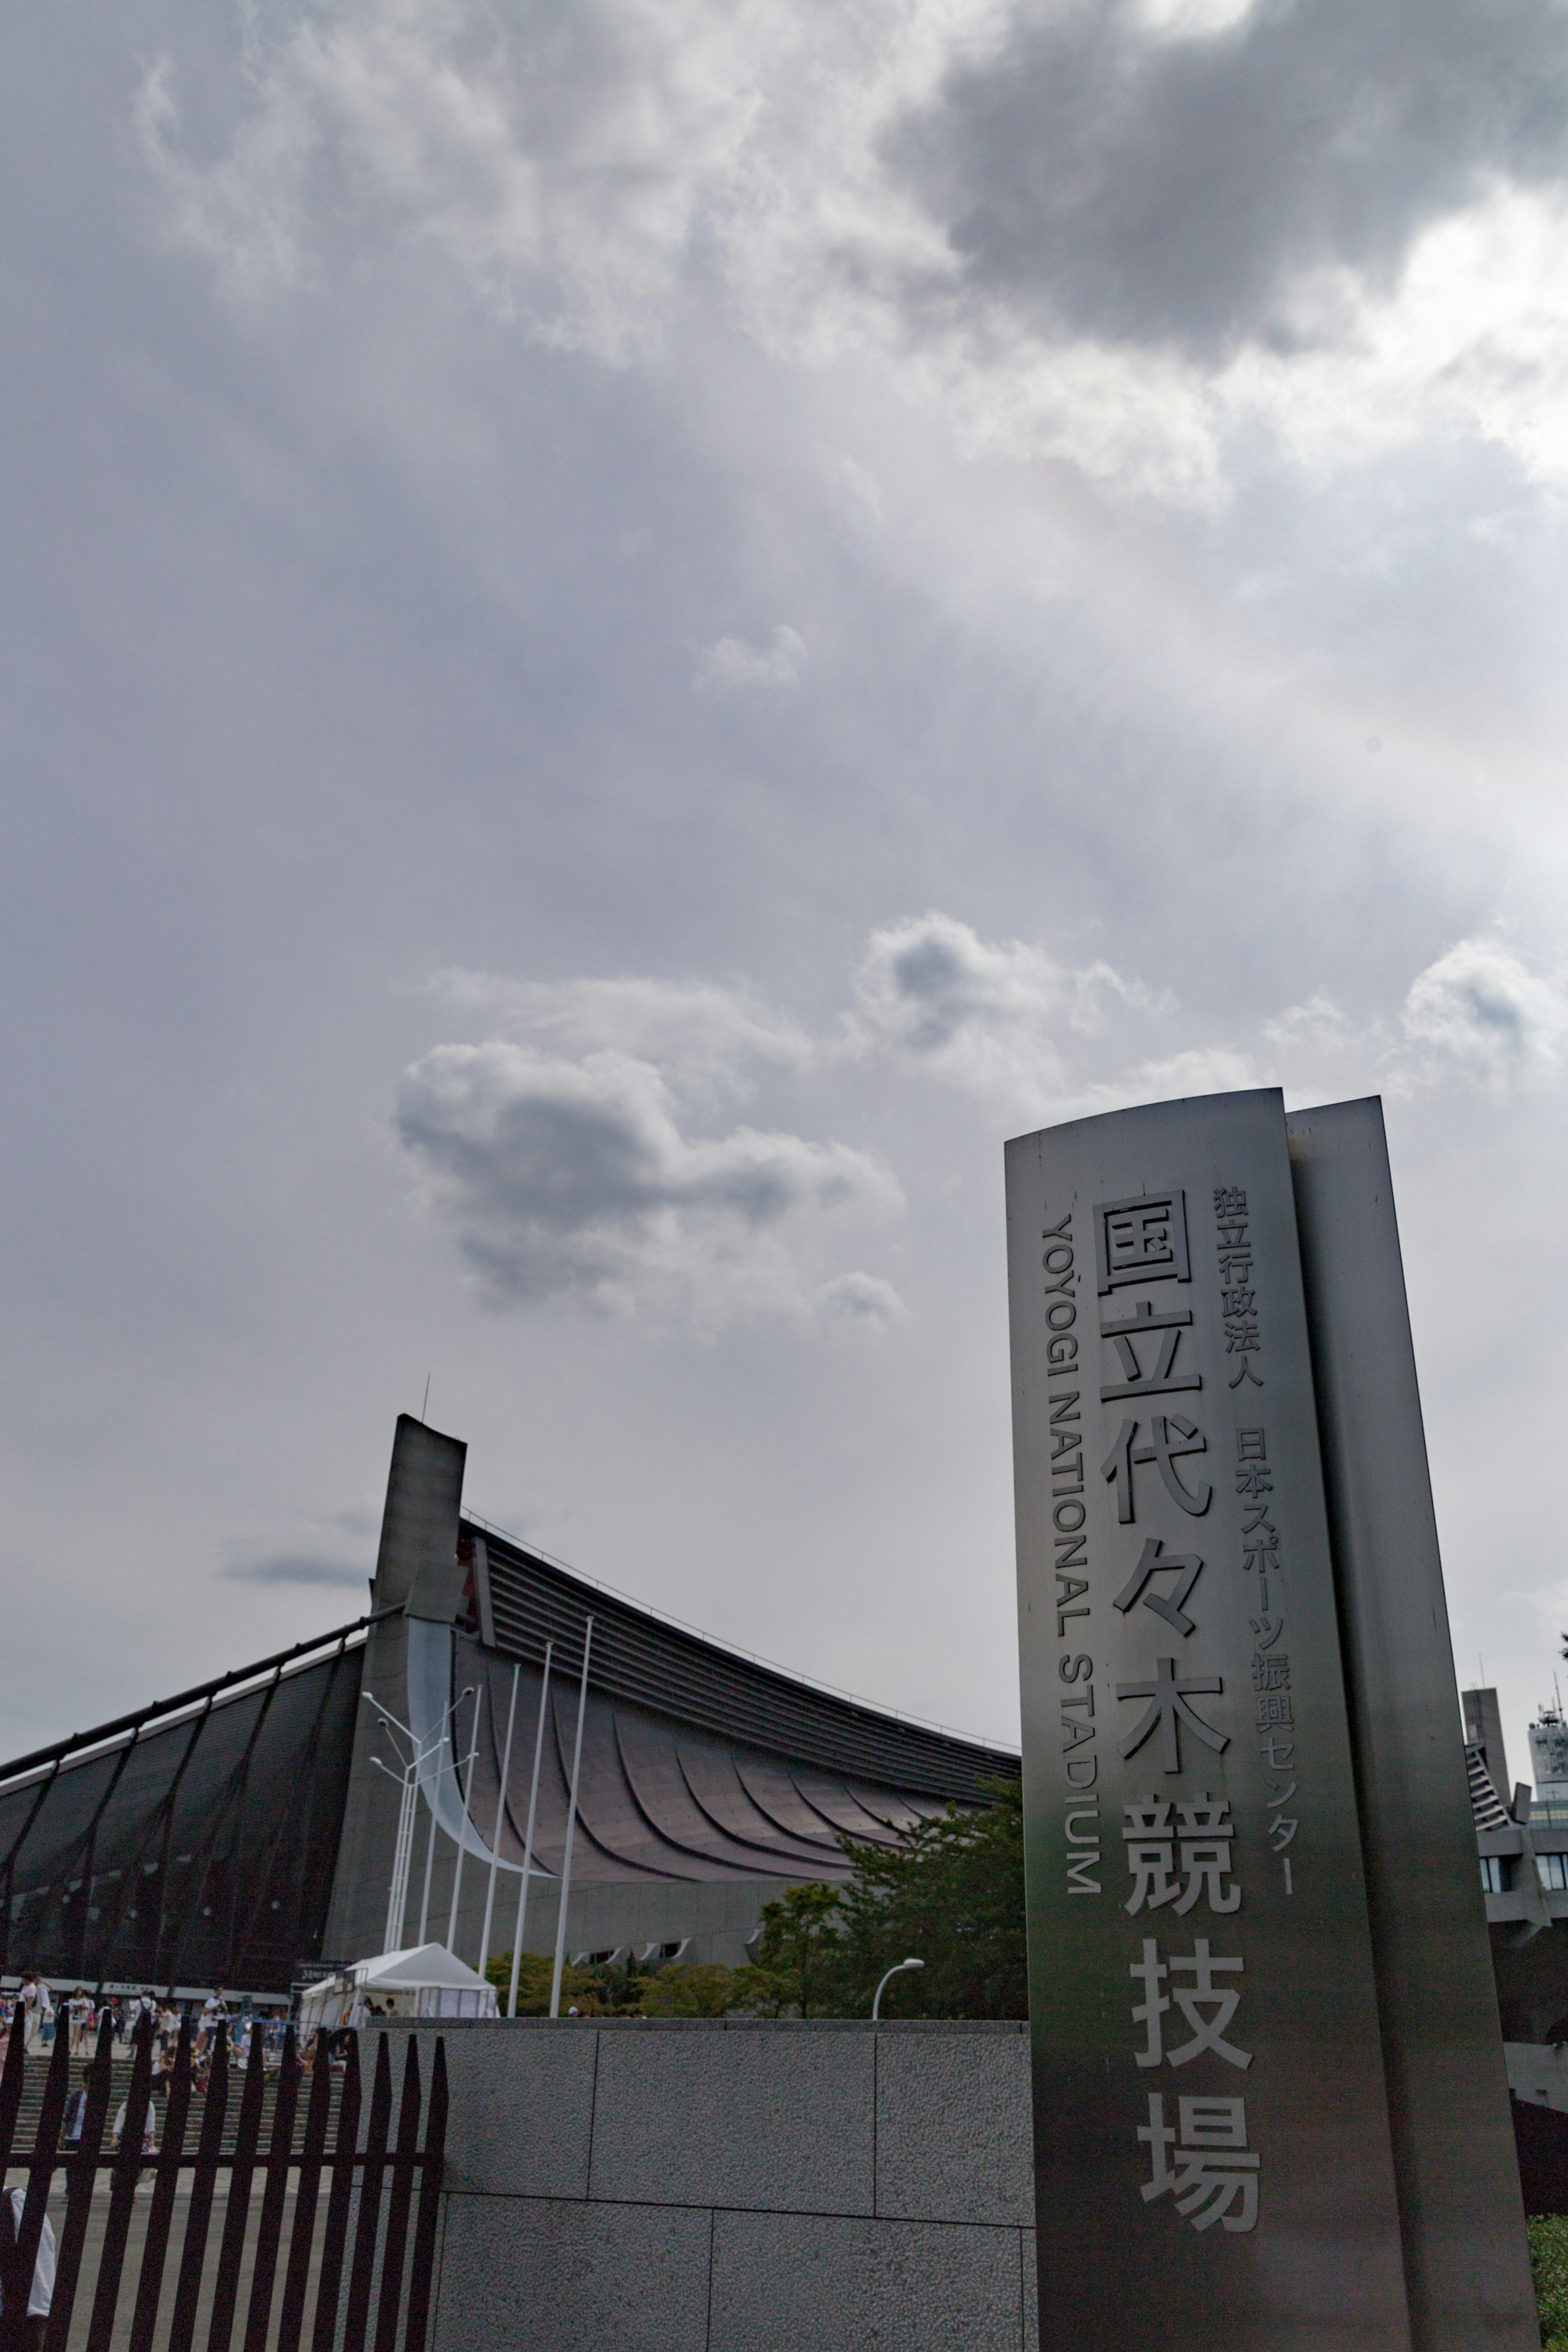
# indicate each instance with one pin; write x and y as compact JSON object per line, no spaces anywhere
{"x":1215,"y":2174}
{"x":1153,"y":1561}
{"x":1153,"y":1373}
{"x":1165,"y":1450}
{"x":1168,"y":1711}
{"x":1177,"y":1867}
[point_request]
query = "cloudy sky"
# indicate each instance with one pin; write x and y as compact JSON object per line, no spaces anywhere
{"x":634,"y":633}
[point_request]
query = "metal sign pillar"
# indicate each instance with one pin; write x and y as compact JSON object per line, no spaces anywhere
{"x":1215,"y":2158}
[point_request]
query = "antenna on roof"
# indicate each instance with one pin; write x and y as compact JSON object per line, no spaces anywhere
{"x":426,"y":1406}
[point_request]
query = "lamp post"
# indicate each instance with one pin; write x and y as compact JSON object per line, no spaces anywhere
{"x":409,"y":1778}
{"x":887,"y":1980}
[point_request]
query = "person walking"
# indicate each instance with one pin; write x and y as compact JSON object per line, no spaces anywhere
{"x":213,"y":2014}
{"x":149,"y":2129}
{"x":40,"y":2010}
{"x":42,"y":2293}
{"x":79,"y":2010}
{"x":75,"y":2111}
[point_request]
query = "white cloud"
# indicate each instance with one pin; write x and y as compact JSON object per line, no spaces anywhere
{"x":698,"y":1034}
{"x":1480,"y":1009}
{"x":859,"y":1301}
{"x":732,"y":663}
{"x":994,"y":1017}
{"x":577,"y":169}
{"x":562,"y":1177}
{"x":560,"y":1158}
{"x":559,"y":160}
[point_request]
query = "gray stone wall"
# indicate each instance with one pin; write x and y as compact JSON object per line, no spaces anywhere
{"x":667,"y":2185}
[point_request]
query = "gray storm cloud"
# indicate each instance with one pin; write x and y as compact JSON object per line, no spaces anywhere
{"x":574,"y":1177}
{"x":561,"y":1177}
{"x":1143,"y":184}
{"x":295,"y":1567}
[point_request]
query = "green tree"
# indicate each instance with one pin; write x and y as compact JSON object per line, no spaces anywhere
{"x":1548,"y":2264}
{"x":703,"y":1990}
{"x":799,"y":1964}
{"x":592,"y":1992}
{"x":950,"y":1891}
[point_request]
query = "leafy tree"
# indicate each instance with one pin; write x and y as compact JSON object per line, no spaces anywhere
{"x":703,"y":1990}
{"x":950,"y":1891}
{"x":799,"y":1961}
{"x":592,"y":1992}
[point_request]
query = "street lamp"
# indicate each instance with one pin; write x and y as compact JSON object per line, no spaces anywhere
{"x":887,"y":1980}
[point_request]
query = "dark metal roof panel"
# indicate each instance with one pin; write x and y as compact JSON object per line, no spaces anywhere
{"x":677,"y":1673}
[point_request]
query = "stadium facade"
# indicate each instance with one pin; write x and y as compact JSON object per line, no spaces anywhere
{"x":246,"y":1829}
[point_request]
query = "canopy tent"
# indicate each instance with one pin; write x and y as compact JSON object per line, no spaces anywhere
{"x":427,"y":1981}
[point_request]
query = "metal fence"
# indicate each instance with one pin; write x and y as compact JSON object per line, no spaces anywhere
{"x":362,"y":2268}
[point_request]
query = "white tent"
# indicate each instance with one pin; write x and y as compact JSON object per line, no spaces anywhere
{"x":425,"y":1981}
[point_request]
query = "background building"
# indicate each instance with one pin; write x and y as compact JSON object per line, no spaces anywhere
{"x":247,"y":1827}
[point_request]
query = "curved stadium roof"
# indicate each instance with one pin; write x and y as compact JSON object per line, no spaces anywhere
{"x":196,"y":1841}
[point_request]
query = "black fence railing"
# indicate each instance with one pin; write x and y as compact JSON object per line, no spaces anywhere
{"x":358,"y":2271}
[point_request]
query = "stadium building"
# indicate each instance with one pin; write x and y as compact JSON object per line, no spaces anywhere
{"x":249,"y":1829}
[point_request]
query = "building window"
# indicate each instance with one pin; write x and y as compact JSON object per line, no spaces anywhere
{"x":1492,"y":1878}
{"x":1553,"y":1869}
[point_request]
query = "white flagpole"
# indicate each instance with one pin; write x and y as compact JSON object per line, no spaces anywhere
{"x":528,"y":1840}
{"x":463,"y":1825}
{"x":495,"y":1834}
{"x":571,"y":1827}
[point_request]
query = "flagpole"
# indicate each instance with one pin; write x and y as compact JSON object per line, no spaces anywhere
{"x":462,"y":1824}
{"x":528,"y":1840}
{"x":495,"y":1834}
{"x":571,"y":1827}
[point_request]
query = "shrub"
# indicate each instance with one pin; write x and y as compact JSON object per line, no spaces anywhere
{"x":1549,"y":2267}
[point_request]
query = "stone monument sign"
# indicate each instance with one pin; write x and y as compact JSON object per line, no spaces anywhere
{"x":1251,"y":2130}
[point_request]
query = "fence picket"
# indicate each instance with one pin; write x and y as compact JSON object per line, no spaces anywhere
{"x":79,"y":2183}
{"x":241,"y":2166}
{"x":356,"y":2322}
{"x":416,"y":2324}
{"x":10,"y":2079}
{"x":126,"y":2173}
{"x":40,"y":2170}
{"x":397,"y":2242}
{"x":269,"y":2229}
{"x":192,"y":2253}
{"x":291,"y":2317}
{"x":324,"y":2334}
{"x":161,"y":2213}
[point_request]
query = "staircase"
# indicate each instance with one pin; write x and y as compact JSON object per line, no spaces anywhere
{"x":26,"y":2134}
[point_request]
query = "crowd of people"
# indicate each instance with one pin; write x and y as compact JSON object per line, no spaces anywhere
{"x":34,"y":2012}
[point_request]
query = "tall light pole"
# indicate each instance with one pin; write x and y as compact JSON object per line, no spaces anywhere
{"x":571,"y":1827}
{"x":409,"y":1779}
{"x":887,"y":1980}
{"x":528,"y":1840}
{"x":403,"y":1846}
{"x":463,"y":1823}
{"x":500,"y":1814}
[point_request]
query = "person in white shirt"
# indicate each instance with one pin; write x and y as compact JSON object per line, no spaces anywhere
{"x":40,"y":2011}
{"x":43,"y":2288}
{"x":78,"y":2009}
{"x":149,"y":2129}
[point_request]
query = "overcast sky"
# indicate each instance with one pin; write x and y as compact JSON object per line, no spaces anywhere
{"x":633,"y":633}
